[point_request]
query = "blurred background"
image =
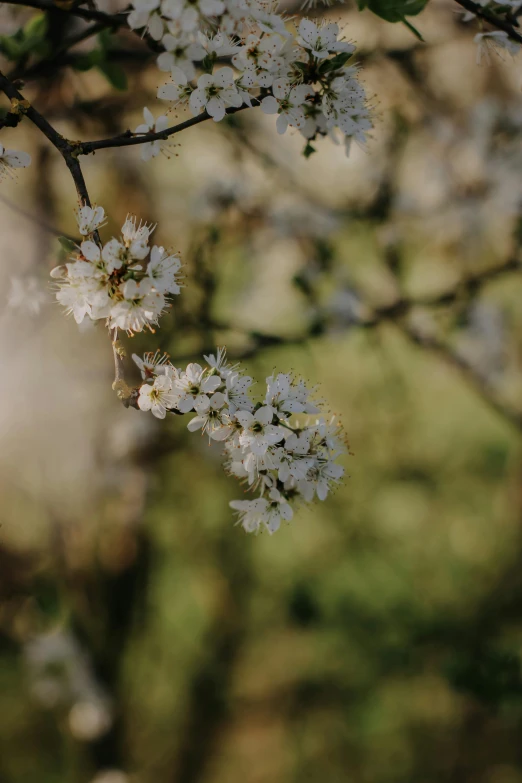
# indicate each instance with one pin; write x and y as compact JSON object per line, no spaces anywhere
{"x":378,"y":637}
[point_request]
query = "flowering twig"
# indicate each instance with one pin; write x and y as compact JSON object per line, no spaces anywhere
{"x":128,"y":138}
{"x":488,"y":16}
{"x":128,"y":396}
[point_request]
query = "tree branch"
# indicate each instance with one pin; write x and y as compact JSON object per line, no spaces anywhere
{"x":478,"y":383}
{"x":395,"y":313}
{"x":129,"y":139}
{"x":496,"y":21}
{"x":91,"y":15}
{"x":69,"y":152}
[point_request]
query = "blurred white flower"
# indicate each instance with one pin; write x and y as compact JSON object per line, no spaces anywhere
{"x":26,"y":295}
{"x":152,"y":148}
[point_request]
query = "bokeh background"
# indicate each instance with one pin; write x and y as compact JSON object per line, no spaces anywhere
{"x":377,"y":638}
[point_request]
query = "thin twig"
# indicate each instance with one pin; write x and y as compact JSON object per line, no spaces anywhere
{"x":129,"y":139}
{"x":395,"y":313}
{"x":37,"y":221}
{"x":108,"y":20}
{"x":495,"y":21}
{"x":467,"y":370}
{"x":68,"y":151}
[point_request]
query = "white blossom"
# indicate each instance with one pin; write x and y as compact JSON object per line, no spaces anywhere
{"x":152,"y":364}
{"x":13,"y":159}
{"x":215,"y":420}
{"x":258,"y":433}
{"x":195,"y":387}
{"x":145,"y":14}
{"x":158,"y":397}
{"x":26,"y":295}
{"x":90,"y":219}
{"x":189,"y":12}
{"x":493,"y":41}
{"x":214,"y":93}
{"x":162,"y":270}
{"x":152,"y":148}
{"x":322,"y":41}
{"x":139,"y":307}
{"x":288,"y":102}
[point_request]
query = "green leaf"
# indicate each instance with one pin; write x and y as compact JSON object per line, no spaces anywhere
{"x":114,"y":74}
{"x":207,"y":64}
{"x":36,"y":27}
{"x":308,"y":150}
{"x":339,"y":60}
{"x":106,"y":41}
{"x":396,"y":10}
{"x":84,"y":62}
{"x":67,"y":244}
{"x":12,"y":48}
{"x":413,"y":30}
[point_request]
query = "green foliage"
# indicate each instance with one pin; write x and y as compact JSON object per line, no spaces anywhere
{"x":114,"y":74}
{"x":67,"y":244}
{"x":492,"y":676}
{"x":395,"y":11}
{"x":28,"y":40}
{"x":99,"y":58}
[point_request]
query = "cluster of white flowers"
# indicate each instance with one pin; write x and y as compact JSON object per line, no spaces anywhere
{"x":300,"y":73}
{"x":12,"y":159}
{"x":123,"y":281}
{"x":285,"y":460}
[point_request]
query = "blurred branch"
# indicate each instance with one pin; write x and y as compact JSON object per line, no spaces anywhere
{"x":91,"y":15}
{"x":496,"y":21}
{"x":394,"y":313}
{"x":480,"y":384}
{"x":36,"y":220}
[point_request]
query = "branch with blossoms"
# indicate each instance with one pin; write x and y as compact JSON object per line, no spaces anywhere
{"x":287,"y":460}
{"x":219,"y":57}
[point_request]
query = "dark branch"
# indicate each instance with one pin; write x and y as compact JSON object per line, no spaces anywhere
{"x":129,"y":139}
{"x":91,"y":15}
{"x":66,"y":149}
{"x":467,"y":370}
{"x":496,"y":21}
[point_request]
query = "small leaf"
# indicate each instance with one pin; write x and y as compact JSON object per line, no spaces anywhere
{"x":339,"y":60}
{"x":67,"y":244}
{"x":36,"y":27}
{"x":207,"y":64}
{"x":397,"y":11}
{"x":308,"y":150}
{"x":11,"y":48}
{"x":106,"y":40}
{"x":84,"y":62}
{"x":114,"y":74}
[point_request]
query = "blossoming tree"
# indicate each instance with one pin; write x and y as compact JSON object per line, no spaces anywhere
{"x":215,"y":58}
